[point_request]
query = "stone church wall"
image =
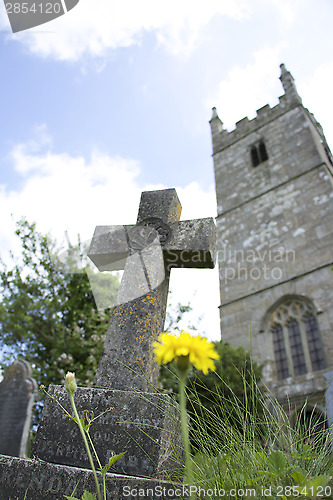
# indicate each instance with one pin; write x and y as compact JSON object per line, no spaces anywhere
{"x":275,"y":230}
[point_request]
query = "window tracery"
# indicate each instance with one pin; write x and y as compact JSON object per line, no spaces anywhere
{"x":297,"y":342}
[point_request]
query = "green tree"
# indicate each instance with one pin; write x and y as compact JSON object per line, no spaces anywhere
{"x":48,"y":313}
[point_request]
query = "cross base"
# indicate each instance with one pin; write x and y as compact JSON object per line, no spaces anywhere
{"x":144,"y":425}
{"x":32,"y":479}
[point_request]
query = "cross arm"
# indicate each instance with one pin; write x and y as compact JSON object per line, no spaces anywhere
{"x":109,"y":247}
{"x":192,"y":244}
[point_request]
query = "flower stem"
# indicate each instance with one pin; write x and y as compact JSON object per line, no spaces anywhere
{"x":71,"y":397}
{"x":99,"y":463}
{"x":185,"y":433}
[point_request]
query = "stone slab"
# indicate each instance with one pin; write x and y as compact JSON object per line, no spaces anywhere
{"x":144,"y":425}
{"x":23,"y":479}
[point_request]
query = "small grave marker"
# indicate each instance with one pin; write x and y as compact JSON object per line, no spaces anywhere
{"x":17,"y":395}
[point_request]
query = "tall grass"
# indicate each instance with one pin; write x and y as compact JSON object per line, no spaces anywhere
{"x":249,"y":448}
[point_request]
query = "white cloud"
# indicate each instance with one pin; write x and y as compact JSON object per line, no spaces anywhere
{"x":315,"y":92}
{"x":288,"y":9}
{"x":61,"y":192}
{"x":200,"y":288}
{"x":248,"y":88}
{"x":96,"y":27}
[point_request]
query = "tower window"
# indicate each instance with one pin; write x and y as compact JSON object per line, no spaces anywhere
{"x":255,"y":156}
{"x":262,"y":151}
{"x":258,"y":153}
{"x":297,"y":344}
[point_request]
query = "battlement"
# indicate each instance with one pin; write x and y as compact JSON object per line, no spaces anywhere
{"x":221,"y":138}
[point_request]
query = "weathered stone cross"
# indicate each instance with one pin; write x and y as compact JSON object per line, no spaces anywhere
{"x":146,"y":251}
{"x":137,"y":421}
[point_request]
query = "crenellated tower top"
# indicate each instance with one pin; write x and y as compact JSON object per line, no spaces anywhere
{"x":221,"y":138}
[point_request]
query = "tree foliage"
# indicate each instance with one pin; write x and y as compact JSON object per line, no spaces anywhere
{"x":48,"y":313}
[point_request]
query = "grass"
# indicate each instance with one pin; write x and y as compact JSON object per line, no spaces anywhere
{"x":248,"y":447}
{"x":257,"y":453}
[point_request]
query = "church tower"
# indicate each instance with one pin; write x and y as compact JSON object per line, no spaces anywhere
{"x":274,"y":193}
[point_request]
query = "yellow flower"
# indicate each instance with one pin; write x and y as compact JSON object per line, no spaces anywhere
{"x":196,"y":350}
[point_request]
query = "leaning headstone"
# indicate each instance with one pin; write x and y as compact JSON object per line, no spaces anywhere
{"x":17,"y":395}
{"x":133,"y":418}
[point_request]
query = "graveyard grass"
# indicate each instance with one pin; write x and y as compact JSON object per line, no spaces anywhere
{"x":265,"y":456}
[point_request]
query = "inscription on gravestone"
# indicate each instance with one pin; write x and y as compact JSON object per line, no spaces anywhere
{"x":144,"y":425}
{"x":36,"y":480}
{"x":17,"y":395}
{"x":140,"y":422}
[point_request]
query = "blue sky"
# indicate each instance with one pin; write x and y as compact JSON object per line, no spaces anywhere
{"x":115,"y":97}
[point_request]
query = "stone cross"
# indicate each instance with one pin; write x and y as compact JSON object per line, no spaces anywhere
{"x":17,"y":392}
{"x":147,"y":252}
{"x":131,"y":417}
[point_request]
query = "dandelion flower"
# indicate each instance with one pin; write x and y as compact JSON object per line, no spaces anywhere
{"x":185,"y":349}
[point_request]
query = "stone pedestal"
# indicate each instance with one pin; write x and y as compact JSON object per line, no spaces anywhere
{"x":35,"y":480}
{"x":144,"y":425}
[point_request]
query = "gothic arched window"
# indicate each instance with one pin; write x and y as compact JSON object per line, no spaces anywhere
{"x":296,"y":339}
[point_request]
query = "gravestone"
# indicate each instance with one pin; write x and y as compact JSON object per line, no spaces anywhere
{"x":17,"y":395}
{"x":134,"y":419}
